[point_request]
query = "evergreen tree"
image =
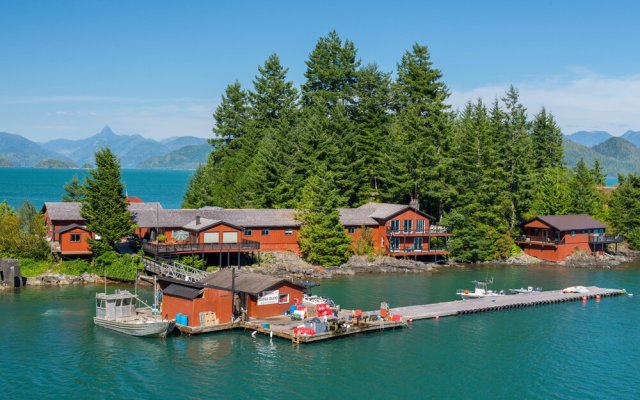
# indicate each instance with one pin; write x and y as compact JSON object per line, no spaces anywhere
{"x":322,"y":237}
{"x":598,"y":174}
{"x":273,"y":100}
{"x":199,"y":192}
{"x":371,"y":122}
{"x":547,"y":142}
{"x":332,"y":72}
{"x":625,"y":209}
{"x":104,"y":206}
{"x":552,"y":195}
{"x":582,"y":187}
{"x":422,"y":127}
{"x":516,"y":151}
{"x":74,"y":190}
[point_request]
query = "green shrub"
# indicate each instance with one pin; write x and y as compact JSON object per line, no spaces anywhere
{"x":74,"y":267}
{"x":115,"y":266}
{"x":162,"y":238}
{"x":193,"y":261}
{"x":30,"y":267}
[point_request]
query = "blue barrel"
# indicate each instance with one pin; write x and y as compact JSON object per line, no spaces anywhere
{"x":292,"y":309}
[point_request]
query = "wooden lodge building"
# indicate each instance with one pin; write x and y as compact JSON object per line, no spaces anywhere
{"x":396,"y":229}
{"x":556,"y":237}
{"x":227,"y":294}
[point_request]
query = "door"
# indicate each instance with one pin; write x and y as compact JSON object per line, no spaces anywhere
{"x":417,"y":244}
{"x":395,"y":243}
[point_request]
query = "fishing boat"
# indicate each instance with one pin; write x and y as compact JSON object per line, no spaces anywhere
{"x":118,"y":312}
{"x":527,"y":290}
{"x":480,"y":291}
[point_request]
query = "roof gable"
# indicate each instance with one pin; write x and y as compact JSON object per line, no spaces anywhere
{"x":569,"y":222}
{"x":246,"y":282}
{"x":201,"y":224}
{"x":67,"y":228}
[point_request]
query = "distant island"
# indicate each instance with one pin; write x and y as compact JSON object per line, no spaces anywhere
{"x":134,"y":151}
{"x":55,"y":164}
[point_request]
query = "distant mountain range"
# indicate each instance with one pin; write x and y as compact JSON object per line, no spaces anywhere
{"x":592,"y":138}
{"x":617,"y":155}
{"x":134,"y":151}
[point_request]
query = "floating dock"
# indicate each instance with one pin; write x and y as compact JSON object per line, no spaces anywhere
{"x":344,"y":325}
{"x":460,"y":307}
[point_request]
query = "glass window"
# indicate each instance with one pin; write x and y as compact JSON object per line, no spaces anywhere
{"x":351,"y":229}
{"x":283,"y":298}
{"x":265,"y":231}
{"x":407,"y":225}
{"x":247,"y":232}
{"x":75,"y":238}
{"x":288,"y":232}
{"x":420,"y":225}
{"x":417,"y":243}
{"x":395,"y":225}
{"x":573,"y":233}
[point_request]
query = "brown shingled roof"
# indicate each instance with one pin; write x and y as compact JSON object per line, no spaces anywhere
{"x":570,"y":222}
{"x":246,"y":282}
{"x":63,"y":211}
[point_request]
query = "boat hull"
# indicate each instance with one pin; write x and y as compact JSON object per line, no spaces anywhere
{"x":136,"y":328}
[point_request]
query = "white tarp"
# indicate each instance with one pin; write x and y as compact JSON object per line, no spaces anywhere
{"x":270,"y":297}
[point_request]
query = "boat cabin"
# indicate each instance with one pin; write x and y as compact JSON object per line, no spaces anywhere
{"x":115,"y":306}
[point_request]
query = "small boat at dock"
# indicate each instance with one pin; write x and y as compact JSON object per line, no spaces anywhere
{"x":118,"y":312}
{"x":527,"y":290}
{"x":480,"y":291}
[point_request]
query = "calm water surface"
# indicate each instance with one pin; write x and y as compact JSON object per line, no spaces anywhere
{"x":51,"y":349}
{"x":40,"y":184}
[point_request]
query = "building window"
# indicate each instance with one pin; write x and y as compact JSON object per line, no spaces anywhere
{"x":395,"y":225}
{"x":75,"y":238}
{"x":265,"y":231}
{"x":407,"y":225}
{"x":283,"y":298}
{"x":420,"y":226}
{"x":247,"y":232}
{"x":573,"y":233}
{"x":288,"y":232}
{"x":351,"y":229}
{"x":417,"y":244}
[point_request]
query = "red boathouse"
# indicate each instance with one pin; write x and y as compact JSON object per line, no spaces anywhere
{"x":556,"y":237}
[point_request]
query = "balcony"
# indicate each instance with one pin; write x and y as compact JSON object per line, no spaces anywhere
{"x":184,"y":248}
{"x":605,"y":239}
{"x":538,"y":240}
{"x":410,"y":250}
{"x":433,"y":230}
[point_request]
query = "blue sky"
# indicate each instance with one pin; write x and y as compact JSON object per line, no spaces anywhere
{"x":156,"y":68}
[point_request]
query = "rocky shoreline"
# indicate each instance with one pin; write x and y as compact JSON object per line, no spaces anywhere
{"x":291,"y":266}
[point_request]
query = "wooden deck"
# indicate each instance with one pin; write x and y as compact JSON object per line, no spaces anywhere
{"x":460,"y":307}
{"x":282,"y":326}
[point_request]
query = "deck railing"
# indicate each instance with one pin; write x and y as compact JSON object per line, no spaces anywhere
{"x":166,"y":248}
{"x":605,"y":239}
{"x":432,"y":230}
{"x":538,"y":239}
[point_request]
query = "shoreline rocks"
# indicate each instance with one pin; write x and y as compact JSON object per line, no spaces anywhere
{"x":53,"y":279}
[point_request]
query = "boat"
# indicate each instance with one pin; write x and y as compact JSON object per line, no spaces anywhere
{"x":480,"y":291}
{"x":118,"y":312}
{"x":527,"y":290}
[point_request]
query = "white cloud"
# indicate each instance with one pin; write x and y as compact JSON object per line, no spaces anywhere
{"x":581,"y":101}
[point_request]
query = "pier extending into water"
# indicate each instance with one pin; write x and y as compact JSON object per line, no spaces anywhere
{"x":344,"y":325}
{"x":460,"y":307}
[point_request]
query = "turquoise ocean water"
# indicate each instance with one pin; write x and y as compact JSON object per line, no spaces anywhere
{"x":39,"y":185}
{"x":51,"y":349}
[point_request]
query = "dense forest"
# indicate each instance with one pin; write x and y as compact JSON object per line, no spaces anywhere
{"x":370,"y":135}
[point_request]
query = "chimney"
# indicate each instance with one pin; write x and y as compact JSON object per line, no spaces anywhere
{"x":197,"y":220}
{"x":415,"y":203}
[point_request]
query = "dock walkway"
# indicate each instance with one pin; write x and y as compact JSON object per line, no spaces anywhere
{"x":459,"y":307}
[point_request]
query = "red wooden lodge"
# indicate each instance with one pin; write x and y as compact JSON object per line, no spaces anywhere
{"x":396,"y":229}
{"x":556,"y":237}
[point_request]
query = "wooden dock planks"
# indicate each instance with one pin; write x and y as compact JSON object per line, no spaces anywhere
{"x":460,"y":307}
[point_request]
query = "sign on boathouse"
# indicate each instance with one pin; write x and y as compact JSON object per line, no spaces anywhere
{"x":268,"y":297}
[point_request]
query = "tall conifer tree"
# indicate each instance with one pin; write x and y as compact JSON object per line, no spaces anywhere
{"x":104,"y":206}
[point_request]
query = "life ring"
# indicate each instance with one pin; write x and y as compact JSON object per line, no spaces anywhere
{"x":466,"y":291}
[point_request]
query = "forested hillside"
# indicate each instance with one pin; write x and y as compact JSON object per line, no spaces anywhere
{"x":375,"y":136}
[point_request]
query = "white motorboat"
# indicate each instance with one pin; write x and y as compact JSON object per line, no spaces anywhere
{"x":527,"y":290}
{"x":480,"y":291}
{"x":118,"y":312}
